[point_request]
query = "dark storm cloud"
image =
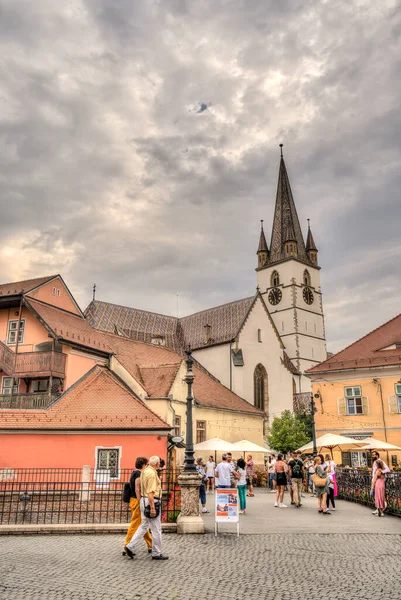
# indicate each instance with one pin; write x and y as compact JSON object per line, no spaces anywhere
{"x":139,"y":147}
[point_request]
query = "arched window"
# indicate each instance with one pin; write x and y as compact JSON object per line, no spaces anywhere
{"x":275,"y":279}
{"x":306,"y":277}
{"x":260,"y":388}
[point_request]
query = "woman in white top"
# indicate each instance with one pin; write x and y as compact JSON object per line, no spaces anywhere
{"x":210,"y":469}
{"x":240,"y":474}
{"x":331,"y":473}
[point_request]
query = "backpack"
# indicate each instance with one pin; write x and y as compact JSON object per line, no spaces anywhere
{"x":297,"y":470}
{"x":127,"y":493}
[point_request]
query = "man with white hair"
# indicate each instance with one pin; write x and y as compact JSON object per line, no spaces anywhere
{"x":151,"y":494}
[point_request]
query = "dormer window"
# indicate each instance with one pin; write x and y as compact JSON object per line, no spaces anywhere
{"x":275,"y":279}
{"x":158,"y":340}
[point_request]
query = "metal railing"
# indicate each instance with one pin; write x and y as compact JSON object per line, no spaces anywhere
{"x":73,"y":496}
{"x":27,"y":401}
{"x":355,"y":484}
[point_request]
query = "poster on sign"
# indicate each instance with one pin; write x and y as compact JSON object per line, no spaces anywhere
{"x":227,"y":506}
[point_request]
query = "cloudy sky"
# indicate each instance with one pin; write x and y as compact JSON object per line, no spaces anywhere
{"x":139,"y":147}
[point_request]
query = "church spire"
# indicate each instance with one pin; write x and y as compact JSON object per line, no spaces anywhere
{"x":287,"y":240}
{"x":311,"y":249}
{"x":263,"y":251}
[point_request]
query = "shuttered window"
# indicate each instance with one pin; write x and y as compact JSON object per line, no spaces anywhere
{"x":353,"y":402}
{"x":394,"y":401}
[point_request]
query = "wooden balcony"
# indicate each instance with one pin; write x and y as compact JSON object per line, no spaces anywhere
{"x":40,"y":364}
{"x":27,"y":401}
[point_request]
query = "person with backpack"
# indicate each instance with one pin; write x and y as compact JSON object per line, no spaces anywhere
{"x":296,"y":465}
{"x":135,"y":495}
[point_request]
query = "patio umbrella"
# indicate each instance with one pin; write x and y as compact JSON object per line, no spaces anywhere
{"x":330,"y":441}
{"x":378,"y":445}
{"x":214,"y":444}
{"x":247,"y":446}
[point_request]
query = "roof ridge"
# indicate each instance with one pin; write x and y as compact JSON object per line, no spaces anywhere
{"x":45,"y":277}
{"x":149,"y":312}
{"x":214,"y":307}
{"x":68,"y":312}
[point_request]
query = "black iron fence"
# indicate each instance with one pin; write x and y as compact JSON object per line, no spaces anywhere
{"x":355,"y":484}
{"x":74,"y":496}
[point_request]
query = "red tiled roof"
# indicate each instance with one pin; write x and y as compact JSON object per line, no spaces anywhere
{"x":158,"y":379}
{"x":17,"y":287}
{"x":367,"y":351}
{"x":99,"y":400}
{"x":69,"y":326}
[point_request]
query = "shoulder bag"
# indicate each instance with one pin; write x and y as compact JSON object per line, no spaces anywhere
{"x":319,"y":481}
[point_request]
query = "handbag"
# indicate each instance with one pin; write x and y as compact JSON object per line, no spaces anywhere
{"x":319,"y":481}
{"x":147,"y":511}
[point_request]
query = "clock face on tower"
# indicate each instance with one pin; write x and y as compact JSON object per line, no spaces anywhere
{"x":275,"y":296}
{"x":308,"y":295}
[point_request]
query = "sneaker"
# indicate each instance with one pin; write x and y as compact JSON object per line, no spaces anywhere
{"x":205,"y":510}
{"x":283,"y":506}
{"x":276,"y":505}
{"x":332,"y":509}
{"x":272,"y":492}
{"x":302,"y":496}
{"x":375,"y":512}
{"x":292,"y":503}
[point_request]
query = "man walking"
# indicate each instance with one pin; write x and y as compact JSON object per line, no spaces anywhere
{"x":296,"y":472}
{"x":151,"y":493}
{"x":223,"y":473}
{"x":135,"y":484}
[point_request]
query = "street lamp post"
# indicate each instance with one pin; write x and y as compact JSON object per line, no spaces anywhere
{"x":313,"y":410}
{"x":189,"y":461}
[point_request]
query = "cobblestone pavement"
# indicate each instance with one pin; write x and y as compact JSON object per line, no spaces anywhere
{"x":286,"y":566}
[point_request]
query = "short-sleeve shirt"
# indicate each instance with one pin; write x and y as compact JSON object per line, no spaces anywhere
{"x":292,"y":464}
{"x":210,"y":467}
{"x":250,"y":468}
{"x":150,"y":482}
{"x":224,"y":472}
{"x":242,"y":479}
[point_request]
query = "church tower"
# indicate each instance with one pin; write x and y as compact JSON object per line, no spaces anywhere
{"x":289,"y":278}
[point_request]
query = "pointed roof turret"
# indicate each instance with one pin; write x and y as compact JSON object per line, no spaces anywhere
{"x":286,"y":227}
{"x":310,"y":242}
{"x":262,"y":240}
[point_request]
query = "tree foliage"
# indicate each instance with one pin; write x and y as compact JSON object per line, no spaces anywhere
{"x":288,"y":432}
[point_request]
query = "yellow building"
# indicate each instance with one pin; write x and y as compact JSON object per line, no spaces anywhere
{"x":358,"y":392}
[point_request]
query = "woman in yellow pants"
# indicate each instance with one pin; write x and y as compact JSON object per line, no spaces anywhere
{"x":140,"y":463}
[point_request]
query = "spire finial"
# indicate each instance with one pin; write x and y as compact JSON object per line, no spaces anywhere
{"x":281,"y":150}
{"x":94,"y":291}
{"x":261,"y":224}
{"x":308,"y":223}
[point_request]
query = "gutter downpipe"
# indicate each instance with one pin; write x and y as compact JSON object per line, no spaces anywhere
{"x":379,"y":385}
{"x":231,"y":367}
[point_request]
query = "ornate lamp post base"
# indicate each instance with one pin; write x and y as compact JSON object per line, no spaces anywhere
{"x":190,"y":521}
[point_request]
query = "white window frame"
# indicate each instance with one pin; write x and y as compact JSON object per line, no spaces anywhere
{"x":99,"y":470}
{"x":398,"y":396}
{"x":353,"y":398}
{"x":13,"y":330}
{"x":8,"y":387}
{"x":56,"y":291}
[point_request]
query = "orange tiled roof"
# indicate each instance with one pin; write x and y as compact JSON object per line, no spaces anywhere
{"x":367,"y":351}
{"x":99,"y":400}
{"x":17,"y":287}
{"x":69,"y":326}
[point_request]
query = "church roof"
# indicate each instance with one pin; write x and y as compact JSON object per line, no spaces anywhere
{"x":310,"y":242}
{"x":262,"y":241}
{"x":381,"y":347}
{"x":286,"y":225}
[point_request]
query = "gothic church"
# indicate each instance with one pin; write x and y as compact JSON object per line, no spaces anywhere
{"x":259,"y":347}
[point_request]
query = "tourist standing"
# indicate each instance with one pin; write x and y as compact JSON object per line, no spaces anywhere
{"x":289,"y":481}
{"x":378,"y":488}
{"x":230,"y":462}
{"x":250,"y":473}
{"x":321,"y":490}
{"x":376,"y":457}
{"x":241,"y":485}
{"x":281,"y":481}
{"x":310,"y":467}
{"x":272,"y":474}
{"x":296,"y":470}
{"x":331,"y":474}
{"x":135,"y":486}
{"x":202,"y":488}
{"x":210,"y":469}
{"x":223,"y":473}
{"x":151,"y":494}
